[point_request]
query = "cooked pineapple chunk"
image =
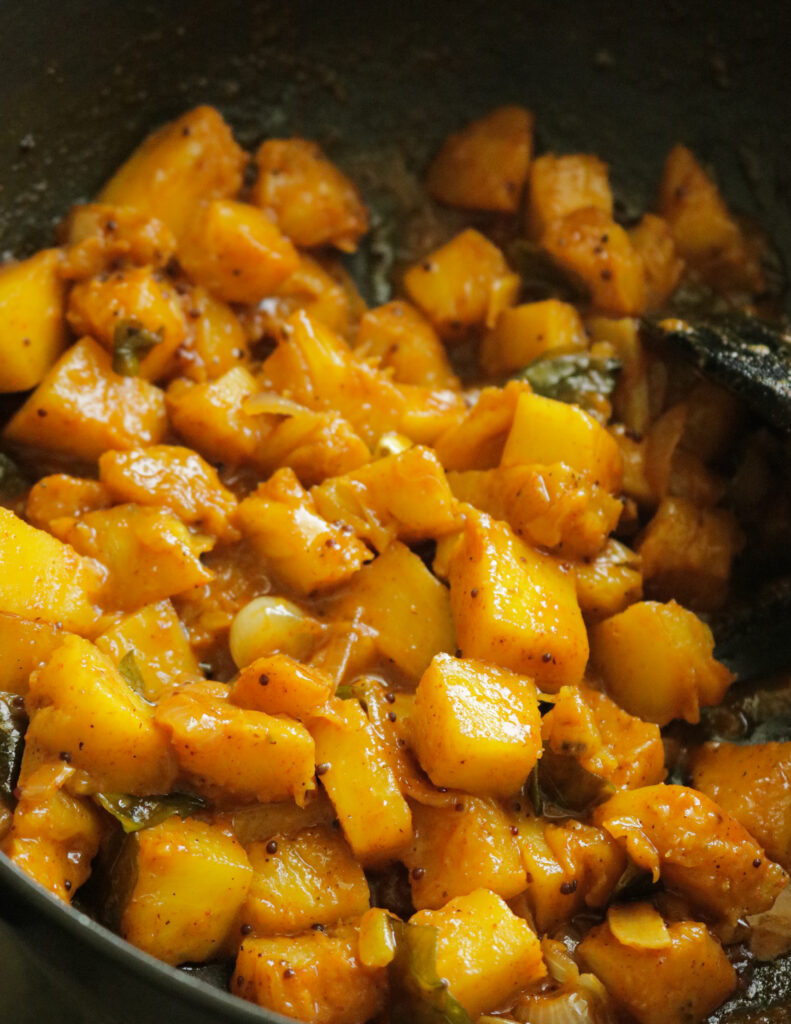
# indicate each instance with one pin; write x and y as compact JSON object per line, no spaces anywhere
{"x":307,"y":553}
{"x":217,"y":341}
{"x":26,"y":644}
{"x":559,"y":185}
{"x":308,"y":197}
{"x":43,"y":578}
{"x":408,"y":608}
{"x":189,"y":160}
{"x":361,"y":784}
{"x":59,"y":495}
{"x":610,"y":582}
{"x":149,"y":553}
{"x":673,"y":831}
{"x":171,"y":477}
{"x":405,"y":495}
{"x":484,"y":166}
{"x":464,"y":846}
{"x":100,"y":235}
{"x":317,"y":368}
{"x":656,"y":661}
{"x":312,"y":977}
{"x":81,"y":408}
{"x":301,"y":880}
{"x":653,"y":240}
{"x":31,"y":320}
{"x":751,"y":784}
{"x":514,"y":606}
{"x":636,"y":746}
{"x":485,"y":952}
{"x":465,"y":283}
{"x":681,"y":983}
{"x":526,"y":332}
{"x":405,"y":342}
{"x":569,"y":866}
{"x":280,"y":685}
{"x":190,"y":881}
{"x":545,"y":431}
{"x":687,"y":553}
{"x":705,"y":233}
{"x":311,"y":288}
{"x":134,"y":295}
{"x":591,"y":246}
{"x":475,"y":726}
{"x":477,"y":441}
{"x":80,"y":706}
{"x":159,"y":644}
{"x":229,"y":750}
{"x":551,"y":506}
{"x":235,"y":251}
{"x":211,"y":417}
{"x":54,"y":835}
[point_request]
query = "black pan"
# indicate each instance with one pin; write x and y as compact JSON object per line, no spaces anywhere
{"x":81,"y":81}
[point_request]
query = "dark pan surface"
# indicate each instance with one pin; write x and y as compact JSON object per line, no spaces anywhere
{"x":82,"y":81}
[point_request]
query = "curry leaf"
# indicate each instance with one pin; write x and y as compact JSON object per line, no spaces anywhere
{"x":559,"y":786}
{"x":132,"y":676}
{"x":572,"y":377}
{"x":132,"y":341}
{"x":138,"y":812}
{"x":12,"y":482}
{"x":13,"y":722}
{"x":418,"y":994}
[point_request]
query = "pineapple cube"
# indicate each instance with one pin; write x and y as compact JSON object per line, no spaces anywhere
{"x":43,"y":578}
{"x":191,"y":159}
{"x":159,"y":643}
{"x":26,"y":644}
{"x":526,"y":332}
{"x":149,"y":553}
{"x":99,"y":304}
{"x":405,"y":495}
{"x":190,"y":881}
{"x":559,"y":185}
{"x":515,"y":607}
{"x":685,"y":980}
{"x":280,"y":685}
{"x":657,"y":662}
{"x":460,"y":847}
{"x":31,"y":320}
{"x":59,"y":495}
{"x":484,"y":166}
{"x":463,"y":284}
{"x":307,"y":196}
{"x":405,"y":342}
{"x":281,"y":522}
{"x":486,"y":953}
{"x":236,"y":252}
{"x":301,"y":880}
{"x":168,"y":476}
{"x":361,"y":784}
{"x":81,"y":408}
{"x":227,"y":750}
{"x":312,"y":977}
{"x":81,"y":707}
{"x":408,"y":608}
{"x":477,"y":441}
{"x":545,"y":431}
{"x":475,"y":727}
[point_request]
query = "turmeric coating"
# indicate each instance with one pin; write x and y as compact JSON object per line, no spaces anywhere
{"x":355,"y":633}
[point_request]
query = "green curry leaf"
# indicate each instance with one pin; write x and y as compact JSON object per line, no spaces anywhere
{"x":572,"y":377}
{"x":418,"y":994}
{"x":138,"y":812}
{"x":132,"y":676}
{"x":132,"y":341}
{"x":13,"y":723}
{"x":559,"y":787}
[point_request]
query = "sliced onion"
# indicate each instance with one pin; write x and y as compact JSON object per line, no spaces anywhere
{"x":771,"y":931}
